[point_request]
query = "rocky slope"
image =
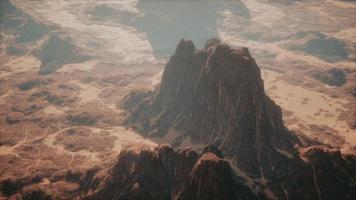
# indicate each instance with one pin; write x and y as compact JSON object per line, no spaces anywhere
{"x":163,"y":173}
{"x":216,"y":96}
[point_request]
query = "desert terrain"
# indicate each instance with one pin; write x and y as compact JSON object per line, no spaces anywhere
{"x":66,"y":67}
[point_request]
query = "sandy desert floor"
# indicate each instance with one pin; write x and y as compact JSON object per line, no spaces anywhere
{"x":71,"y":119}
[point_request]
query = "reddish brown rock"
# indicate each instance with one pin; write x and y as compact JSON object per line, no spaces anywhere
{"x":162,"y":173}
{"x":145,"y":173}
{"x":211,"y":178}
{"x":216,"y":96}
{"x":334,"y":174}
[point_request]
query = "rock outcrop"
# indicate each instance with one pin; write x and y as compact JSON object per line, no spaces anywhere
{"x":216,"y":96}
{"x":164,"y":173}
{"x":211,"y":178}
{"x":334,"y":174}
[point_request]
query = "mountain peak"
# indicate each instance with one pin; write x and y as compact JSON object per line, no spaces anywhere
{"x":211,"y":42}
{"x":215,"y":96}
{"x":185,"y":48}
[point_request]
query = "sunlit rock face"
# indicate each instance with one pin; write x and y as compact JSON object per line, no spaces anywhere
{"x":216,"y":96}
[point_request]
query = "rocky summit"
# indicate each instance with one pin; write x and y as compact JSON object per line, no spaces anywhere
{"x":216,"y":96}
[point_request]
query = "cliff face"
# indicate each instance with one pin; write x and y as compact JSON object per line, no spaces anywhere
{"x":216,"y":96}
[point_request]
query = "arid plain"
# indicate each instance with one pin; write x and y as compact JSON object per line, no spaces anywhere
{"x":61,"y":111}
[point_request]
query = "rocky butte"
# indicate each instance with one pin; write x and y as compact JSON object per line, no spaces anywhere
{"x":215,"y":96}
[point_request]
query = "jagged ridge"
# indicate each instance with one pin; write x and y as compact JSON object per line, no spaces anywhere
{"x":164,"y":173}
